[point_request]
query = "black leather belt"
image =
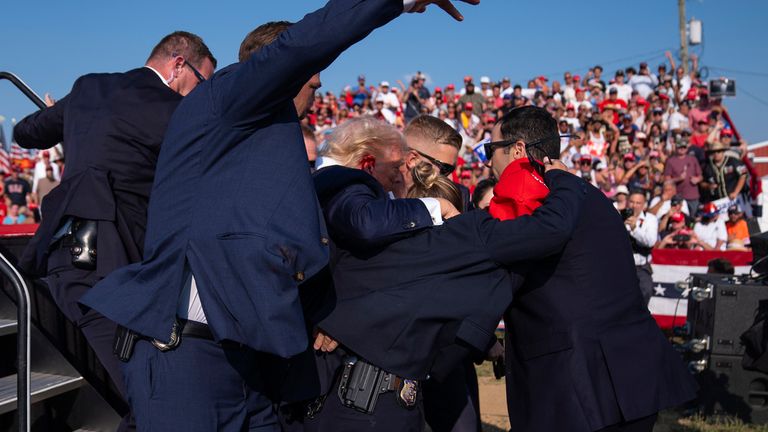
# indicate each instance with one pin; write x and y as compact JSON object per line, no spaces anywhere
{"x":195,"y":329}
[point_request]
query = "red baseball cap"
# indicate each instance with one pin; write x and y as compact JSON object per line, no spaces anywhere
{"x":466,"y":175}
{"x":577,"y":77}
{"x":677,"y":217}
{"x":726,"y":132}
{"x":629,"y":156}
{"x":438,"y":90}
{"x":468,"y":78}
{"x":542,"y":78}
{"x":468,"y":106}
{"x":450,"y":87}
{"x":579,"y":90}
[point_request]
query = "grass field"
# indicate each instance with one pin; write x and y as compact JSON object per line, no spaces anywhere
{"x":493,"y":410}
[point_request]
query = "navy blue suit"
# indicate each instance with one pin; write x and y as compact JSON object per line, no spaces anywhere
{"x":233,"y":205}
{"x":580,"y":340}
{"x":111,"y":126}
{"x":402,"y":305}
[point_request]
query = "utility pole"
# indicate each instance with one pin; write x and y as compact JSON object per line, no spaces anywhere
{"x":683,"y":36}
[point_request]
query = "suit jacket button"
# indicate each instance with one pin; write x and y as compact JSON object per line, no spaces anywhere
{"x":411,"y":224}
{"x":324,"y":240}
{"x":299,"y":276}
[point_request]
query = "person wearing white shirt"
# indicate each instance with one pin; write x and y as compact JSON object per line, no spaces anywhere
{"x":678,"y":120}
{"x":624,"y":90}
{"x":644,"y":82}
{"x":711,"y":232}
{"x":643,"y":229}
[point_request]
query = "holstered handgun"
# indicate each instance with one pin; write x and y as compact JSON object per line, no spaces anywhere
{"x":82,"y":243}
{"x":125,"y":341}
{"x":362,"y":383}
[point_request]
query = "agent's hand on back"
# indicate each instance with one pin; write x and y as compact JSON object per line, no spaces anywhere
{"x":555,"y":164}
{"x":446,"y":5}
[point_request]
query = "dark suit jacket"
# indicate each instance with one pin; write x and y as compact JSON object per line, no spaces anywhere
{"x":233,"y":201}
{"x":581,"y":341}
{"x":400,"y":305}
{"x":111,"y":126}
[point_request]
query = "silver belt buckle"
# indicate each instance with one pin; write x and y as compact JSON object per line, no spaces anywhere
{"x":174,"y":340}
{"x":408,"y":393}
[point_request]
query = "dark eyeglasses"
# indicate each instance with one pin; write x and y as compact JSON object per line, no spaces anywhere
{"x":492,"y":146}
{"x":198,"y":75}
{"x":444,"y":168}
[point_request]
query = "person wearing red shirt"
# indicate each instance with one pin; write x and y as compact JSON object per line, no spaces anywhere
{"x":699,"y":137}
{"x":614,"y":102}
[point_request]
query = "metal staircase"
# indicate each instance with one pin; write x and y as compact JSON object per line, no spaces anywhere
{"x":50,"y":379}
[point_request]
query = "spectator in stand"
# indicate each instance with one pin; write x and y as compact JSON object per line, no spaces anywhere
{"x":623,"y":90}
{"x":668,"y":201}
{"x":17,"y":189}
{"x":14,"y":216}
{"x":736,"y":227}
{"x":710,"y":231}
{"x":685,"y":171}
{"x":45,"y":185}
{"x":594,"y":78}
{"x":476,"y":100}
{"x":383,"y":113}
{"x":390,"y":99}
{"x":620,"y":198}
{"x":703,"y":109}
{"x":701,"y":134}
{"x":724,"y":176}
{"x":413,"y":98}
{"x":41,"y":166}
{"x":643,"y":229}
{"x":361,"y":94}
{"x":644,"y":82}
{"x":676,"y":235}
{"x":678,"y":120}
{"x":615,"y":103}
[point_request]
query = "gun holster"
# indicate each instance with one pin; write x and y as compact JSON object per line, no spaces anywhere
{"x":82,"y":243}
{"x":362,"y":383}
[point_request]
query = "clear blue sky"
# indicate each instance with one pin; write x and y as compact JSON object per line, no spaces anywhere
{"x":50,"y":43}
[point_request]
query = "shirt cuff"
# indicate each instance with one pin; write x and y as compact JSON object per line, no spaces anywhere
{"x":433,"y":207}
{"x":408,"y":5}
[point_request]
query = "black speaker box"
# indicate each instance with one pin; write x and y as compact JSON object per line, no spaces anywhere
{"x":721,"y":308}
{"x":725,"y":388}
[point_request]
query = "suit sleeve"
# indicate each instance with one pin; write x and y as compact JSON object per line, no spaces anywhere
{"x":357,"y":216}
{"x":275,"y":74}
{"x":543,"y":233}
{"x":43,"y":129}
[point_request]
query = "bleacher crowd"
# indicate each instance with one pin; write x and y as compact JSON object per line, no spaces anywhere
{"x":651,"y":140}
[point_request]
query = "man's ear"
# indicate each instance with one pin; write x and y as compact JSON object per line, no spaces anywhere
{"x":368,"y":163}
{"x":518,"y":149}
{"x":411,"y":159}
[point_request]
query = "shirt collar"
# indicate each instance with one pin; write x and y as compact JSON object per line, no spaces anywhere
{"x":159,"y":75}
{"x":325,"y":161}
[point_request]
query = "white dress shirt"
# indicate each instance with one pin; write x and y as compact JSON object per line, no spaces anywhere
{"x":645,"y":233}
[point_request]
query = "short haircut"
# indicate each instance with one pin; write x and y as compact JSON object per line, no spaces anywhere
{"x":481,"y":189}
{"x":352,"y":140}
{"x":720,"y":266}
{"x":185,"y":44}
{"x":260,"y":37}
{"x":433,"y":130}
{"x":428,"y":183}
{"x":531,"y":123}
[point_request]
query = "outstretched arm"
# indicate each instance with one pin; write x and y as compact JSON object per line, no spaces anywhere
{"x":543,"y":233}
{"x":43,"y":129}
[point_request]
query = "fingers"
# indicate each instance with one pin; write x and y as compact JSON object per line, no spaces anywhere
{"x":447,"y":6}
{"x":324,"y":343}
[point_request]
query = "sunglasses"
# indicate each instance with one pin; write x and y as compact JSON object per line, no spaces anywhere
{"x":444,"y":168}
{"x":493,"y":146}
{"x":198,"y":75}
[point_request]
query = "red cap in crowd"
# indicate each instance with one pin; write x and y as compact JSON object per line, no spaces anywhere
{"x":708,"y":209}
{"x":577,"y":77}
{"x":677,"y":217}
{"x":586,"y":158}
{"x":542,"y":78}
{"x":629,"y":156}
{"x":691,"y":94}
{"x":468,"y":78}
{"x":726,"y":132}
{"x":438,"y":90}
{"x":466,"y":174}
{"x":450,"y":87}
{"x":468,"y":106}
{"x":663,"y":96}
{"x":579,"y":90}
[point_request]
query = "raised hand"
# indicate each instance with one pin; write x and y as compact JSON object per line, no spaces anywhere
{"x":446,"y":5}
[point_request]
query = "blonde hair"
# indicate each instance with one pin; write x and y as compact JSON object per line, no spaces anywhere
{"x":428,"y":183}
{"x":352,"y":140}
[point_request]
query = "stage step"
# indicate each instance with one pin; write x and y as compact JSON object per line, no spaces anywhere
{"x":44,"y":386}
{"x":7,"y":326}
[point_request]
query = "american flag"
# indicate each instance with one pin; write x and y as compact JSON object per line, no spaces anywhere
{"x":5,"y":161}
{"x":19,"y":155}
{"x":669,"y":304}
